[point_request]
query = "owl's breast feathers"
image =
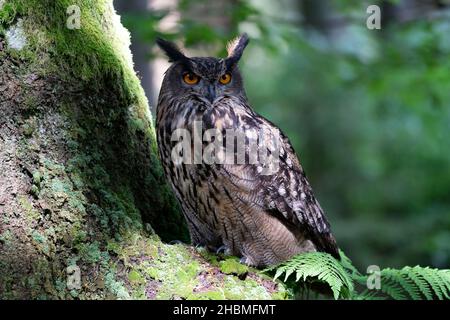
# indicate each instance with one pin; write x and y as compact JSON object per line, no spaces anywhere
{"x":287,"y":193}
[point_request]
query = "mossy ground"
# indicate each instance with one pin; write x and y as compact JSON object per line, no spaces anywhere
{"x":155,"y":270}
{"x":81,"y":181}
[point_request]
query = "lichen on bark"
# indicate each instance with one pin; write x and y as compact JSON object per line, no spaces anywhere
{"x":80,"y":182}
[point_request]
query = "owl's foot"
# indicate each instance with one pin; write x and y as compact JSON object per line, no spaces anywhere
{"x":248,"y":261}
{"x":224,"y":250}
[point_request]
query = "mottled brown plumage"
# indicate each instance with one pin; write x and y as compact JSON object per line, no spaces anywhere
{"x":263,"y":218}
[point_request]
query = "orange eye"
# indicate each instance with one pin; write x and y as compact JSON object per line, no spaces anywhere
{"x":190,"y":78}
{"x":225,"y":79}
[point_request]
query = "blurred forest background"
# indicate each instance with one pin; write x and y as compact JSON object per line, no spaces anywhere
{"x":367,"y":110}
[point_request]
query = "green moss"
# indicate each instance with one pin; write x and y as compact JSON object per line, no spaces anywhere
{"x":60,"y":286}
{"x":30,"y":105}
{"x":177,"y":272}
{"x":5,"y":236}
{"x":8,"y":13}
{"x":116,"y":287}
{"x":39,"y":282}
{"x":208,"y":295}
{"x":233,"y":289}
{"x":37,"y":177}
{"x":233,"y":266}
{"x":28,"y":128}
{"x":77,"y":181}
{"x":152,"y":272}
{"x":30,"y":212}
{"x":41,"y":242}
{"x":213,"y":259}
{"x":38,"y":237}
{"x":89,"y":252}
{"x":34,"y":190}
{"x":282,"y":294}
{"x":135,"y":277}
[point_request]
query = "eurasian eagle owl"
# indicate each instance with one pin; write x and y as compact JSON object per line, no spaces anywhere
{"x":262,"y":211}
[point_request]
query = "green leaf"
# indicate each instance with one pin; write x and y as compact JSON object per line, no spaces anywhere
{"x":318,"y":266}
{"x":414,"y":283}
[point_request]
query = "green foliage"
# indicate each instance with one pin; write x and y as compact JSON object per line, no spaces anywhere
{"x":416,"y":283}
{"x":345,"y":281}
{"x":317,"y":266}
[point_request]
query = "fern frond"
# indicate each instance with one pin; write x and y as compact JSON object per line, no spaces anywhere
{"x":416,"y":283}
{"x":318,"y":266}
{"x":435,"y":281}
{"x":368,"y":295}
{"x":347,"y":264}
{"x":393,"y":284}
{"x":420,"y":282}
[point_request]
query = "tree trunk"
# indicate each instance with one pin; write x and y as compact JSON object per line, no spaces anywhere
{"x":140,"y":49}
{"x":81,"y":188}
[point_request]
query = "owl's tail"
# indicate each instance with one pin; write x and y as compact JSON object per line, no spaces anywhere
{"x":327,"y":243}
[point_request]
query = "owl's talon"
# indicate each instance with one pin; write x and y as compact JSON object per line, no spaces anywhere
{"x":221,"y":249}
{"x":248,"y":262}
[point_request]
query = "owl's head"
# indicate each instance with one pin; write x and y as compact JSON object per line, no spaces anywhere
{"x":204,"y":78}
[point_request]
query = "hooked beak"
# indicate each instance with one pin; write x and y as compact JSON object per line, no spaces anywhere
{"x":211,"y":93}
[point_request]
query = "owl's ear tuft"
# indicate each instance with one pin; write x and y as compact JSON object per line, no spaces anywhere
{"x":236,"y":48}
{"x":171,"y":50}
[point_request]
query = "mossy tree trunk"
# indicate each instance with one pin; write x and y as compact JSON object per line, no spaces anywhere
{"x":81,"y":188}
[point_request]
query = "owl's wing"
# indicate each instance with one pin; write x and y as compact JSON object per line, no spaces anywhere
{"x":289,"y":197}
{"x":285,"y":194}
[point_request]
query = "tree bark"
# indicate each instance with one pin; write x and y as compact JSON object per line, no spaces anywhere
{"x":81,"y":188}
{"x":140,"y":49}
